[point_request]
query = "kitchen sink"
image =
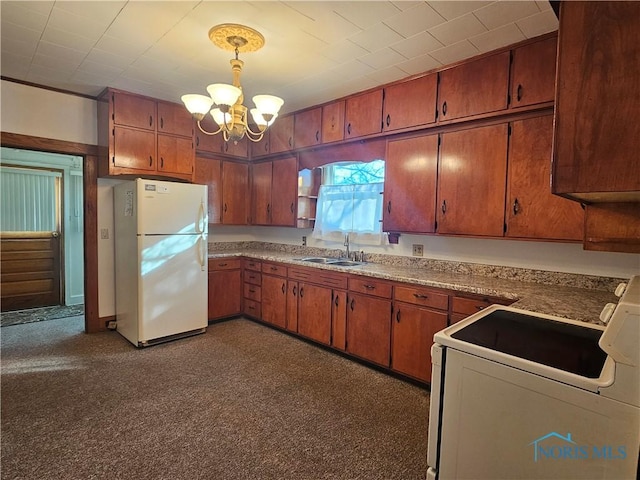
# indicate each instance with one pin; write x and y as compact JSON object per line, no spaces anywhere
{"x":317,"y":259}
{"x":331,"y":261}
{"x":346,"y":263}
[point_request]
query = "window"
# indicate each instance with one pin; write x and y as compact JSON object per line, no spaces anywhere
{"x":350,"y":202}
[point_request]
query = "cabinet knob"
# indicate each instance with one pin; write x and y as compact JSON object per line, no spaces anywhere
{"x":388,"y":119}
{"x":353,"y":301}
{"x":317,"y":135}
{"x":150,"y":160}
{"x":301,"y":292}
{"x":150,"y":120}
{"x":398,"y":316}
{"x":444,"y":207}
{"x":516,"y":207}
{"x":389,"y":207}
{"x":336,"y":300}
{"x":519,"y":92}
{"x":444,"y":108}
{"x":349,"y":128}
{"x":225,"y":208}
{"x":161,"y":162}
{"x":161,"y":122}
{"x":292,"y":207}
{"x":420,"y":296}
{"x":294,"y":290}
{"x":284,"y":288}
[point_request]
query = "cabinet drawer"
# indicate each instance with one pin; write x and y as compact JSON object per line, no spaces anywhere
{"x":224,"y":263}
{"x":369,"y":286}
{"x":252,"y":292}
{"x":254,"y":265}
{"x":252,"y":308}
{"x":274,"y":269}
{"x":469,"y":306}
{"x":319,"y":277}
{"x":252,"y":277}
{"x":421,"y":296}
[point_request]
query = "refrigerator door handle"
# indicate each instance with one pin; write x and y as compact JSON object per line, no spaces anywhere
{"x":202,"y":250}
{"x":200,"y":225}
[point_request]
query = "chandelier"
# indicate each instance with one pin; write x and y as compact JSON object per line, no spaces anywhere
{"x":228,"y":112}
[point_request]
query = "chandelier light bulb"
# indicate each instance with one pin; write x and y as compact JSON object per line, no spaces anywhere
{"x":268,"y":104}
{"x":224,"y":94}
{"x":198,"y":105}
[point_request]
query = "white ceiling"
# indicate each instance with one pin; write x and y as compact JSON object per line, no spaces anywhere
{"x":315,"y":51}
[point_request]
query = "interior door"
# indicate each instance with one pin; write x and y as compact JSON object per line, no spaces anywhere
{"x":30,"y":226}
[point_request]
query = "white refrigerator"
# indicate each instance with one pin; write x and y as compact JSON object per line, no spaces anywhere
{"x":160,"y":232}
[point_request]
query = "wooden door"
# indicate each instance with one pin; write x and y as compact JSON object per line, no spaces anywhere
{"x":339,"y":319}
{"x":411,"y":103}
{"x":261,"y":177}
{"x":274,"y":300}
{"x":133,"y":110}
{"x":208,"y":171}
{"x":225,"y":293}
{"x":533,"y":73}
{"x":411,"y":169}
{"x":308,"y":128}
{"x":30,"y":270}
{"x":314,"y":312}
{"x":175,"y":155}
{"x":292,"y":306}
{"x":412,"y":337}
{"x":363,"y":114}
{"x":473,"y":88}
{"x":281,"y":134}
{"x":531,"y":210}
{"x":597,"y":132}
{"x":235,"y":203}
{"x":284,"y":192}
{"x":369,"y":328}
{"x":471,"y":184}
{"x":133,"y":150}
{"x":333,"y":122}
{"x":174,"y":119}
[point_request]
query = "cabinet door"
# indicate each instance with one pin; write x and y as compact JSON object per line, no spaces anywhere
{"x":175,"y":155}
{"x":235,"y":204}
{"x":284,"y":192}
{"x":339,"y":319}
{"x":531,"y":210}
{"x":333,"y":122}
{"x":261,"y":176}
{"x":369,"y":328}
{"x":133,"y":111}
{"x":474,"y":88}
{"x":174,"y":119}
{"x":411,"y":170}
{"x":292,"y":306}
{"x":314,"y":312}
{"x":208,"y":171}
{"x":225,"y":293}
{"x":208,"y":143}
{"x":308,"y":128}
{"x":412,"y":336}
{"x":597,"y":132}
{"x":471,"y":184}
{"x":260,"y":148}
{"x":363,"y":114}
{"x":281,"y":134}
{"x":411,"y":103}
{"x":274,"y":300}
{"x":533,"y":73}
{"x":237,"y":149}
{"x":134,"y":149}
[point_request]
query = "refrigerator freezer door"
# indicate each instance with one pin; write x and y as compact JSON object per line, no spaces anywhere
{"x":168,"y":207}
{"x":172,"y":285}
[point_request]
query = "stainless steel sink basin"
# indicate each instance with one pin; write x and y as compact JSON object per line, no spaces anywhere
{"x":346,"y":263}
{"x":318,"y":259}
{"x":331,"y":261}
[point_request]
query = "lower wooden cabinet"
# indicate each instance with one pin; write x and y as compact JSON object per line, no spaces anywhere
{"x":274,"y":299}
{"x":225,"y":288}
{"x":314,"y":312}
{"x":339,"y":319}
{"x":369,"y":328}
{"x":252,"y":278}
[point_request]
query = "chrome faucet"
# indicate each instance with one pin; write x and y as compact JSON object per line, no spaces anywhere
{"x":346,"y":244}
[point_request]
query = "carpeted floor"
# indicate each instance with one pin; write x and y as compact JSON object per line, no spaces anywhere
{"x":241,"y":401}
{"x":18,"y":317}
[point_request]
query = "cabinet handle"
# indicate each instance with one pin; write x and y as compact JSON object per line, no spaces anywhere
{"x":266,"y":147}
{"x":251,"y":307}
{"x":349,"y":129}
{"x":197,"y":141}
{"x":290,"y":142}
{"x":398,"y":316}
{"x":161,"y":162}
{"x":274,"y":268}
{"x":516,"y":207}
{"x":389,"y":207}
{"x":222,"y":264}
{"x":301,"y":292}
{"x":150,"y":160}
{"x":336,"y":301}
{"x":226,"y":147}
{"x":251,"y":290}
{"x":295,"y":290}
{"x":480,"y":307}
{"x":161,"y":122}
{"x":291,"y":207}
{"x":519,"y":92}
{"x":421,"y":296}
{"x":352,"y":303}
{"x":284,"y":289}
{"x":370,"y":287}
{"x":150,"y":120}
{"x":317,"y":135}
{"x":444,"y":207}
{"x":388,"y":119}
{"x":444,"y":109}
{"x":225,"y":208}
{"x":268,"y":208}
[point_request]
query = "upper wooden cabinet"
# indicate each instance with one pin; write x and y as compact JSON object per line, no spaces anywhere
{"x":275,"y":192}
{"x":215,"y":143}
{"x":410,"y":185}
{"x":281,"y":134}
{"x":474,"y":88}
{"x":140,"y":136}
{"x":597,"y":132}
{"x":333,"y":122}
{"x":363,"y":114}
{"x":235,"y":201}
{"x":308,"y":128}
{"x":471,"y":183}
{"x":411,"y":103}
{"x":208,"y":171}
{"x":533,"y":73}
{"x":531,"y":210}
{"x":261,"y":148}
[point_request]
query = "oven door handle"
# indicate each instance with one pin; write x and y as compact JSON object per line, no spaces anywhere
{"x":435,"y":404}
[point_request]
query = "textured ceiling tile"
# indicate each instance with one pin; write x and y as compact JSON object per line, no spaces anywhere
{"x":420,"y":64}
{"x":538,"y":24}
{"x":454,"y":53}
{"x":343,"y":51}
{"x":18,"y":14}
{"x":414,"y":20}
{"x":14,"y":66}
{"x":458,"y":29}
{"x":376,"y":37}
{"x":383,"y":58}
{"x":500,"y":13}
{"x":500,"y":37}
{"x":387,"y":75}
{"x":417,"y":45}
{"x":454,"y":9}
{"x":65,"y":38}
{"x":364,"y":14}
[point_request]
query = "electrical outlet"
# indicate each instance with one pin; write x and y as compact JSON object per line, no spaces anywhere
{"x":304,"y":240}
{"x":104,"y":233}
{"x":418,"y":250}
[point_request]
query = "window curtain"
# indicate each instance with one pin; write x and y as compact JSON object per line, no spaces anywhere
{"x":350,"y":209}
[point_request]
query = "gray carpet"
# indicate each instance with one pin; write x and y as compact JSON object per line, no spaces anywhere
{"x":241,"y":401}
{"x":18,"y":317}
